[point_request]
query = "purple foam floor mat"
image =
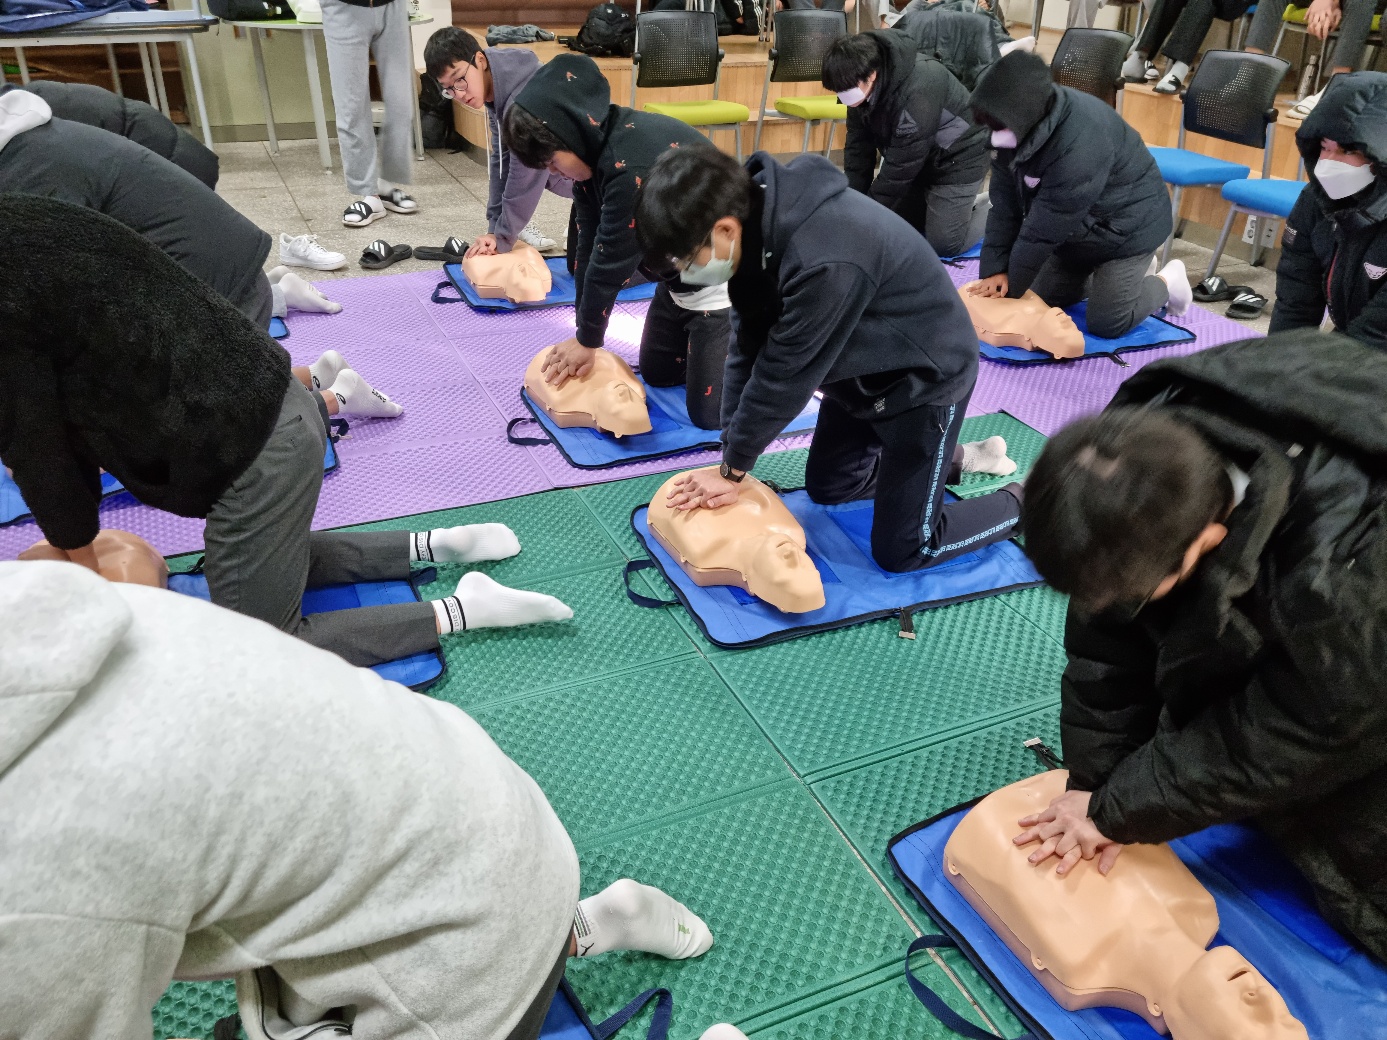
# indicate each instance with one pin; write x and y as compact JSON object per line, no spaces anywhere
{"x":457,"y":372}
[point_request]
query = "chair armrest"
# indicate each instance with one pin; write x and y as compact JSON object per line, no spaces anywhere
{"x":721,"y":54}
{"x":774,"y":53}
{"x":636,"y":58}
{"x":1271,"y":115}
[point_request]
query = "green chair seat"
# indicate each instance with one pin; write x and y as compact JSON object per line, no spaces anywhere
{"x":812,"y":108}
{"x":702,"y":113}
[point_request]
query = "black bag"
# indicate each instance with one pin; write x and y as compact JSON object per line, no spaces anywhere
{"x":250,"y":10}
{"x":609,"y":32}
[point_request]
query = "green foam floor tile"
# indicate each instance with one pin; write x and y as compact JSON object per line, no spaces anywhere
{"x":1043,"y":607}
{"x":785,"y":468}
{"x":837,"y":696}
{"x":191,"y":1009}
{"x":874,"y":803}
{"x":1023,"y":447}
{"x":791,"y":908}
{"x":607,"y":634}
{"x":614,"y":753}
{"x":613,"y":504}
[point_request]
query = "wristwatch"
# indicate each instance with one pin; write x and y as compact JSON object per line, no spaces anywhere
{"x":726,"y":473}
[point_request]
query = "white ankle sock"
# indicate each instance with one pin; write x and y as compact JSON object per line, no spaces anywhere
{"x":1026,"y":43}
{"x":1135,"y":66}
{"x":474,"y":543}
{"x":627,"y":915}
{"x":1174,"y":77}
{"x":300,"y":295}
{"x":723,"y":1031}
{"x":274,"y":274}
{"x":989,"y":456}
{"x":480,"y":602}
{"x":324,"y":371}
{"x":1178,"y":286}
{"x":359,"y":400}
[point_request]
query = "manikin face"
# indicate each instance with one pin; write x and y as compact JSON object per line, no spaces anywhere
{"x":784,"y":576}
{"x":470,"y":84}
{"x":619,"y":409}
{"x":567,"y":164}
{"x":1223,"y":997}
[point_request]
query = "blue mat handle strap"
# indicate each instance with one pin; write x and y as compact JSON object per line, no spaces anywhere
{"x":659,"y":1024}
{"x":934,"y":1003}
{"x":637,"y":598}
{"x":535,"y":441}
{"x":438,"y":296}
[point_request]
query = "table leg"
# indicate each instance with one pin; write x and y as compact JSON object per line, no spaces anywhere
{"x":23,"y":63}
{"x":198,"y":96}
{"x":159,"y":80}
{"x":418,"y":133}
{"x":151,"y":94}
{"x":255,"y":45}
{"x":315,"y":92}
{"x":115,"y":69}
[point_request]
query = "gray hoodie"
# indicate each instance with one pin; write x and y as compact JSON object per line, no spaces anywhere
{"x":515,"y":188}
{"x":186,"y":792}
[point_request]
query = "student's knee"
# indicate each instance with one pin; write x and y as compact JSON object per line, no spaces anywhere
{"x":949,"y":243}
{"x":835,"y":489}
{"x":1110,"y":324}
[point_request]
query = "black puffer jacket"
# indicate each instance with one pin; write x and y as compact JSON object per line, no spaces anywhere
{"x":84,"y":103}
{"x":121,"y":360}
{"x":1258,"y":689}
{"x":1334,"y":254}
{"x":917,"y":118}
{"x":573,"y":99}
{"x":965,"y":41}
{"x":1081,"y":186}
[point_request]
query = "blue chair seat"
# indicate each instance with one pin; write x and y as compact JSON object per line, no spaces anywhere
{"x":1265,"y":196}
{"x":1185,"y":168}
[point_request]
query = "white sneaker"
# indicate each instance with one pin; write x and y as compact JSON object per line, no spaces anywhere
{"x":1178,"y":285}
{"x":533,"y":236}
{"x":304,"y":251}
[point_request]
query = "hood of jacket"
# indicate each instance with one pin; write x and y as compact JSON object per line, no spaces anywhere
{"x":1353,"y":114}
{"x":793,"y":191}
{"x":20,"y":111}
{"x":58,"y":624}
{"x":511,"y":70}
{"x":571,"y":97}
{"x":1017,"y":92}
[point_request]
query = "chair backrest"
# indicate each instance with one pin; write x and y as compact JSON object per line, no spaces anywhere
{"x":1233,"y":96}
{"x":801,"y":39}
{"x":1091,"y":60}
{"x":676,"y":49}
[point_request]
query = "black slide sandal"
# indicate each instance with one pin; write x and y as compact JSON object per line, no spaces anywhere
{"x":1246,"y":305}
{"x":451,"y":252}
{"x":380,"y":254}
{"x":1215,"y":290}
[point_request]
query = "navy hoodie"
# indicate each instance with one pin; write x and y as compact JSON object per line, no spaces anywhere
{"x":835,"y":291}
{"x":573,"y":100}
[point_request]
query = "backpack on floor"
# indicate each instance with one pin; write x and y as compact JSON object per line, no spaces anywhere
{"x":609,"y":32}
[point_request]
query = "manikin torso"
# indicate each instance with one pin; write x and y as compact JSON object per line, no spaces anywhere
{"x":1028,"y":323}
{"x":120,"y":556}
{"x":755,"y":544}
{"x":609,"y":398}
{"x":1135,"y":939}
{"x":521,"y":275}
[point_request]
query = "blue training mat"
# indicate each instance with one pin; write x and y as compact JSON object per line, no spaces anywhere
{"x":13,"y":508}
{"x":567,"y":1019}
{"x":278,"y":329}
{"x":855,"y":588}
{"x":967,"y":254}
{"x":1153,"y":332}
{"x":672,"y":432}
{"x":564,"y":292}
{"x":418,"y":671}
{"x":1265,"y":910}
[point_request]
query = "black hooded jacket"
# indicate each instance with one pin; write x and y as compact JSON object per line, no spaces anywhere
{"x":835,"y":291}
{"x":1255,"y":690}
{"x":1081,"y":185}
{"x":573,"y":100}
{"x":84,"y":103}
{"x":917,"y":118}
{"x":114,"y":357}
{"x":1334,"y":254}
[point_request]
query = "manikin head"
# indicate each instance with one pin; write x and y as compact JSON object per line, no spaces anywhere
{"x":783,"y":575}
{"x":454,"y":58}
{"x":1121,"y":507}
{"x":120,"y":556}
{"x":850,"y":68}
{"x":1028,"y":322}
{"x":691,"y":211}
{"x":521,"y":274}
{"x":620,"y":409}
{"x":1223,"y":997}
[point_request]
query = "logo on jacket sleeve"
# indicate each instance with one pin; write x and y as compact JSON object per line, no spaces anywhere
{"x":1289,"y":236}
{"x":1374,"y":272}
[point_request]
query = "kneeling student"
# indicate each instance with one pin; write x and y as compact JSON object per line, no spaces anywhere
{"x":830,"y":290}
{"x":1078,"y":204}
{"x":564,"y":121}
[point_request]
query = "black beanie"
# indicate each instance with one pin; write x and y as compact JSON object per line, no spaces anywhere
{"x":1015,"y":91}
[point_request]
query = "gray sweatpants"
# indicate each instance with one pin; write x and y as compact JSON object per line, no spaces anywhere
{"x":352,"y":35}
{"x":946,"y":214}
{"x":1353,"y":30}
{"x":262,"y":553}
{"x":1120,"y":294}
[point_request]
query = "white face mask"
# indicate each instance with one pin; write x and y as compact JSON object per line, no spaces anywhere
{"x":852,"y":97}
{"x":1340,"y":180}
{"x":1003,"y":139}
{"x":715,"y":272}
